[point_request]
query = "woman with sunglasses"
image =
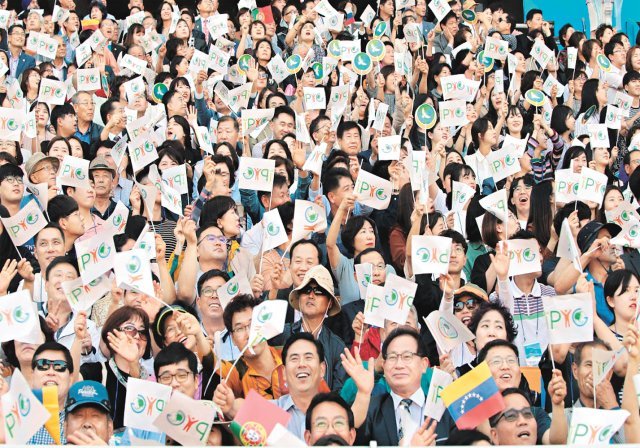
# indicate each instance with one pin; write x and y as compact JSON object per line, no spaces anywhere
{"x":125,"y":342}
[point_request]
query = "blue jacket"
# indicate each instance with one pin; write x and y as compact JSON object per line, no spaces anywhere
{"x":24,"y":62}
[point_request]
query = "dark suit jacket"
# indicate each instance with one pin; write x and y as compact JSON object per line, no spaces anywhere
{"x":380,"y":424}
{"x":524,"y":44}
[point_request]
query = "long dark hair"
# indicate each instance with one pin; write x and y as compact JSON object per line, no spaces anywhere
{"x":540,"y":213}
{"x":589,"y":97}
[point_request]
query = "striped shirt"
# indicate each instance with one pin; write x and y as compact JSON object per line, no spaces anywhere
{"x":528,"y":315}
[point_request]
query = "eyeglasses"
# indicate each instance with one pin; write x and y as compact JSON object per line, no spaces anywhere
{"x":471,"y":305}
{"x":214,"y":238}
{"x":181,"y":376}
{"x":511,"y":415}
{"x":316,"y":290}
{"x":13,"y":180}
{"x":523,"y":188}
{"x":240,"y":330}
{"x":18,"y":33}
{"x":49,"y":168}
{"x":322,"y":424}
{"x":132,"y":331}
{"x":58,"y":366}
{"x":499,"y":360}
{"x":378,"y":267}
{"x":208,"y":293}
{"x":87,"y":103}
{"x":406,"y":357}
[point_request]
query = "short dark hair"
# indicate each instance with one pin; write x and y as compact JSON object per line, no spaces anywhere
{"x":351,"y":229}
{"x":403,"y":331}
{"x":328,"y":397}
{"x":302,"y":336}
{"x":119,"y":317}
{"x":531,"y":13}
{"x":466,"y":437}
{"x":212,"y":273}
{"x":61,"y":111}
{"x":61,"y":206}
{"x":50,"y":225}
{"x":331,"y":180}
{"x":278,"y":181}
{"x":215,"y":208}
{"x":450,"y":15}
{"x":368,"y":250}
{"x":493,"y":344}
{"x":577,"y":353}
{"x":303,"y":242}
{"x":331,"y":440}
{"x":107,"y":108}
{"x":54,"y":347}
{"x":239,"y":303}
{"x":456,"y":238}
{"x":63,"y":259}
{"x":347,"y":126}
{"x":484,"y":308}
{"x":283,"y":110}
{"x":493,"y":421}
{"x":173,"y":354}
{"x":634,"y":183}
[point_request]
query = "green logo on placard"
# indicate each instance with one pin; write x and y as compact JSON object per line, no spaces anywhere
{"x":294,"y":63}
{"x":469,"y":16}
{"x":380,"y":29}
{"x":243,"y":63}
{"x":334,"y":49}
{"x":535,"y":97}
{"x":362,"y":63}
{"x":376,"y":49}
{"x":426,"y":116}
{"x":486,"y":61}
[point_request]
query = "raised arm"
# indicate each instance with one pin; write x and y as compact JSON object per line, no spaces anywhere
{"x":333,"y":252}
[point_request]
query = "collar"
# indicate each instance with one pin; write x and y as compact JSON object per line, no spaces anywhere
{"x":417,"y":397}
{"x":536,"y":291}
{"x":276,"y":358}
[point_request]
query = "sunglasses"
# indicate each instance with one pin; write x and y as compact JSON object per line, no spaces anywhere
{"x":316,"y":290}
{"x":471,"y":305}
{"x":44,"y":364}
{"x":132,"y":331}
{"x":511,"y":415}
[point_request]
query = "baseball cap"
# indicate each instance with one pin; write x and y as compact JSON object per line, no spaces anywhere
{"x":10,"y":170}
{"x":470,"y":290}
{"x":38,"y":157}
{"x":589,"y":233}
{"x":87,"y":393}
{"x":100,"y":163}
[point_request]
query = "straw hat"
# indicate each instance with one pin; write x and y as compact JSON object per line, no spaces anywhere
{"x":322,"y":277}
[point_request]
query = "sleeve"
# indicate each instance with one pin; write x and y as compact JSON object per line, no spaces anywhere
{"x":204,"y":113}
{"x":249,"y":199}
{"x":397,"y":247}
{"x":544,"y":422}
{"x":558,"y":147}
{"x":304,"y":184}
{"x":210,"y":379}
{"x":479,"y":269}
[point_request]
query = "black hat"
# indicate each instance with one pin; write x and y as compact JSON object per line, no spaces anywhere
{"x":589,"y":233}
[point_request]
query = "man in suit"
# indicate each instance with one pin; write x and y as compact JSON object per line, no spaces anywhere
{"x":405,"y":360}
{"x":19,"y":61}
{"x":535,"y":23}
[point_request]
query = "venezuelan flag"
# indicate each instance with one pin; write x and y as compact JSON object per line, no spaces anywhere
{"x":473,"y":398}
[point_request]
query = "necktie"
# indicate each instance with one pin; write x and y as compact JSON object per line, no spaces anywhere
{"x":405,"y":413}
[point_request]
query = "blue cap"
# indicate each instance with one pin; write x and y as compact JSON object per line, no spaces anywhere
{"x":88,"y":393}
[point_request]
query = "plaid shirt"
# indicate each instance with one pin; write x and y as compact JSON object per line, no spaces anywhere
{"x":42,"y":437}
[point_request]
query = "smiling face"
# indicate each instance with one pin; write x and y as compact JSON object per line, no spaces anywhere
{"x":208,"y":301}
{"x":329,"y":418}
{"x":172,"y":333}
{"x":521,"y":196}
{"x":62,"y":272}
{"x":504,"y":367}
{"x":187,"y":384}
{"x":50,"y":377}
{"x":490,"y":327}
{"x":303,"y":258}
{"x":404,"y":377}
{"x":240,"y":328}
{"x":303,"y":368}
{"x":522,"y":431}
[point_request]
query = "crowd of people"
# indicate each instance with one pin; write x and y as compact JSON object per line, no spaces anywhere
{"x":296,"y":153}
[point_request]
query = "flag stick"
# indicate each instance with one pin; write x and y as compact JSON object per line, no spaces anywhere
{"x":264,"y":230}
{"x":158,"y":299}
{"x":258,"y":337}
{"x":16,"y":247}
{"x":553,"y":363}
